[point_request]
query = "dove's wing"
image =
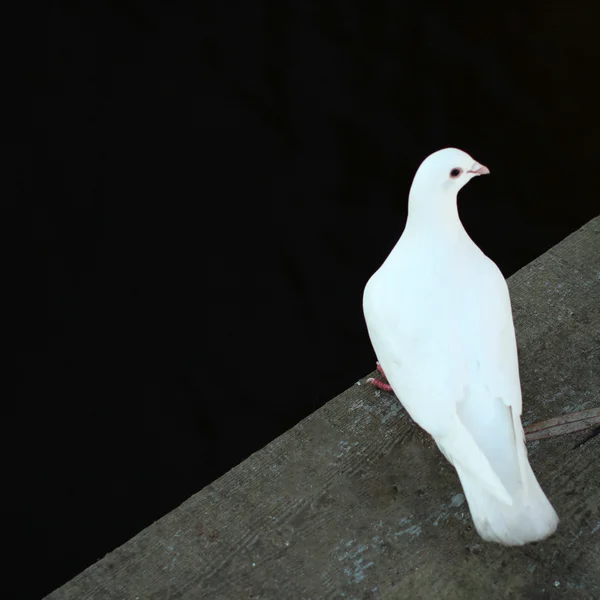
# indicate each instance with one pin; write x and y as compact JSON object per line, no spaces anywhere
{"x":448,"y":349}
{"x":492,"y":412}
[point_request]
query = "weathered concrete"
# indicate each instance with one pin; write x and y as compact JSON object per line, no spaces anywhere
{"x":357,"y":502}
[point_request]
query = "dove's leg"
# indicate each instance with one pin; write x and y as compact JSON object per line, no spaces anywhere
{"x":562,"y":425}
{"x":568,"y":423}
{"x":378,"y":383}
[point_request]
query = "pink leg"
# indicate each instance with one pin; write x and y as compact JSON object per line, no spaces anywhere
{"x":378,"y":383}
{"x":562,"y":425}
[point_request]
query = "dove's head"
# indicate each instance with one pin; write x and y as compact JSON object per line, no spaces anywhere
{"x":445,"y":172}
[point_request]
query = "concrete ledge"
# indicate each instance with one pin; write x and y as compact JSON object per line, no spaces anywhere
{"x":357,"y":502}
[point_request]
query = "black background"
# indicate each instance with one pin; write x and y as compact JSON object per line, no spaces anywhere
{"x":200,"y":194}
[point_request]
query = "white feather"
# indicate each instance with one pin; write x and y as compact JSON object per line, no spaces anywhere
{"x":439,"y":318}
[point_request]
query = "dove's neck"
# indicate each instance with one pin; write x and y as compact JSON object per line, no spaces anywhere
{"x":434,"y":215}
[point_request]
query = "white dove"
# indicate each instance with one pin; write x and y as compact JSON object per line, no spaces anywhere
{"x":439,"y":318}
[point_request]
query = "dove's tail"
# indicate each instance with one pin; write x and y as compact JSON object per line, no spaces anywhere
{"x":506,"y":501}
{"x":529,"y":519}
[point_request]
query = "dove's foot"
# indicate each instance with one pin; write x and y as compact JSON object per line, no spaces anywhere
{"x":378,"y":383}
{"x":568,"y":423}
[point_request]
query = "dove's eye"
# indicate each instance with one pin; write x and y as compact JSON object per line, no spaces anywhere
{"x":455,"y":173}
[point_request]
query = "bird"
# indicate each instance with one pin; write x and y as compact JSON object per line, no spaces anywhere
{"x":439,"y":318}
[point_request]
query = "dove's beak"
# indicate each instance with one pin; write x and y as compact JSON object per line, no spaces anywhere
{"x":478,"y":169}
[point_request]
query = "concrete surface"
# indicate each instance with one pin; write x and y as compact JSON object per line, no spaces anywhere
{"x":356,"y":502}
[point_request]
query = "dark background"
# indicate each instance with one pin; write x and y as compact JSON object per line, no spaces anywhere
{"x":200,"y":195}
